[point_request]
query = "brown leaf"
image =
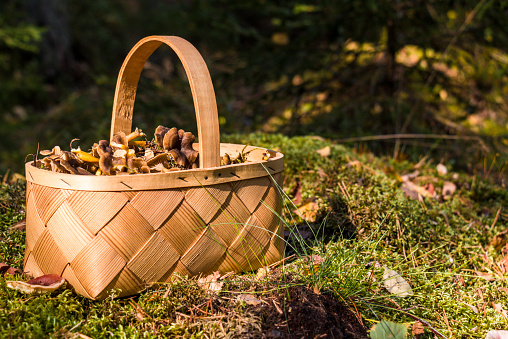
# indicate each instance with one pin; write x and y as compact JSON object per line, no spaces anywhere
{"x":414,"y":191}
{"x":486,"y":276}
{"x":503,"y":264}
{"x":325,"y":151}
{"x":42,"y":284}
{"x":430,"y":188}
{"x":249,"y":299}
{"x":308,"y":211}
{"x":211,"y":282}
{"x":296,"y":193}
{"x":499,"y":240}
{"x":6,"y":269}
{"x":504,"y":289}
{"x":472,"y":307}
{"x":262,"y":272}
{"x":417,"y":328}
{"x":19,"y":226}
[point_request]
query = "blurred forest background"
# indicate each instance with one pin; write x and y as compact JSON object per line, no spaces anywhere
{"x":346,"y":70}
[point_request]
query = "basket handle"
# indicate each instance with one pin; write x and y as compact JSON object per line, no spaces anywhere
{"x":201,"y":86}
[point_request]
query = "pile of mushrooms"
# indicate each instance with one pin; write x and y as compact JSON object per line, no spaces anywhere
{"x":171,"y":150}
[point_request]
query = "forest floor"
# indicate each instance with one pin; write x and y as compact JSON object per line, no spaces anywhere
{"x":355,"y":223}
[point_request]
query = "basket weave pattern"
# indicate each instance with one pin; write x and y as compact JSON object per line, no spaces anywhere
{"x":129,"y":239}
{"x":128,"y":232}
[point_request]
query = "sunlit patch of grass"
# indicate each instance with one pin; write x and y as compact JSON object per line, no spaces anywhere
{"x":364,"y":223}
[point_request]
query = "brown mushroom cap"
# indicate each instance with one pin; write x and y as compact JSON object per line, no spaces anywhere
{"x":187,"y":141}
{"x":171,"y":139}
{"x":179,"y":159}
{"x":103,"y":147}
{"x":120,"y":138}
{"x":106,"y":163}
{"x":160,"y":131}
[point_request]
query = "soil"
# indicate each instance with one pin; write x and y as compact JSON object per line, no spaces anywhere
{"x":298,"y":312}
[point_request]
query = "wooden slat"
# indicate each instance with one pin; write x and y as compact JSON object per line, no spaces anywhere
{"x":248,"y":249}
{"x":230,"y":219}
{"x":34,"y":224}
{"x":47,"y":201}
{"x":96,"y":208}
{"x":47,"y":254}
{"x":70,"y":240}
{"x":157,"y":206}
{"x":251,"y":191}
{"x":97,"y":265}
{"x":31,"y":268}
{"x":182,"y":228}
{"x":180,"y":179}
{"x":204,"y":253}
{"x":69,"y":275}
{"x":127,"y":232}
{"x":153,"y":260}
{"x":269,"y":210}
{"x":206,"y":201}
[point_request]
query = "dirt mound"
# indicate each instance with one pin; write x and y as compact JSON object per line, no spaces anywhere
{"x":298,"y":312}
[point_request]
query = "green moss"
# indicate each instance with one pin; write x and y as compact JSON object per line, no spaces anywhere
{"x":437,"y":245}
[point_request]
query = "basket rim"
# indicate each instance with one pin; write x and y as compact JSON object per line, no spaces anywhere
{"x":156,"y":181}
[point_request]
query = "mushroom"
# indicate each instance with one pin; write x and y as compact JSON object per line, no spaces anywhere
{"x":171,"y":140}
{"x":84,"y":156}
{"x":57,"y":167}
{"x":120,"y":140}
{"x":136,"y":134}
{"x":226,"y":160}
{"x":160,"y":159}
{"x":137,"y":165}
{"x":106,"y":163}
{"x":55,"y":151}
{"x":160,"y":131}
{"x":178,"y":159}
{"x":103,"y":147}
{"x":68,"y":166}
{"x":190,"y":153}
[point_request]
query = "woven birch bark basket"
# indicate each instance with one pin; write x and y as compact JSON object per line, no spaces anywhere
{"x":129,"y":232}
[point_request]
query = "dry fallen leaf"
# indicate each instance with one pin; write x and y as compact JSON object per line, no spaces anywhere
{"x":503,"y":264}
{"x":19,"y":226}
{"x":262,"y":272}
{"x":211,"y":282}
{"x":497,"y":334}
{"x":499,"y":309}
{"x":249,"y":299}
{"x":413,"y":191}
{"x":43,"y":284}
{"x":325,"y":151}
{"x":307,"y":211}
{"x":395,"y":284}
{"x":6,"y":269}
{"x":417,"y":328}
{"x":485,"y":275}
{"x":472,"y":307}
{"x":296,"y":193}
{"x":499,"y":240}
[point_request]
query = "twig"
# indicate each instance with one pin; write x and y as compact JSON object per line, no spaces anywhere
{"x":497,"y":216}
